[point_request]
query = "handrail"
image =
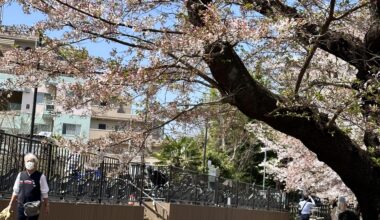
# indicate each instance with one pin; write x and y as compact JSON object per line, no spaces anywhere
{"x":128,"y":182}
{"x":154,"y":211}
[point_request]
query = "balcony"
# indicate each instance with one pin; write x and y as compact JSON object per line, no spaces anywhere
{"x":48,"y":111}
{"x":98,"y":133}
{"x":12,"y":33}
{"x":153,"y":141}
{"x":114,"y":113}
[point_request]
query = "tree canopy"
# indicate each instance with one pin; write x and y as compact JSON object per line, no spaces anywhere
{"x":318,"y":78}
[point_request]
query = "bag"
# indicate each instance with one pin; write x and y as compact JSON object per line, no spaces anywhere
{"x":300,"y":210}
{"x":6,"y":214}
{"x":32,"y":208}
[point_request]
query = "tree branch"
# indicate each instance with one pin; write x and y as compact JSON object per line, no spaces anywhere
{"x":347,"y":13}
{"x":313,"y":49}
{"x":331,"y":145}
{"x":165,"y":31}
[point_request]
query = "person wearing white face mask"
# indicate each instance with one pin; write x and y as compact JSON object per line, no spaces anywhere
{"x":29,"y":189}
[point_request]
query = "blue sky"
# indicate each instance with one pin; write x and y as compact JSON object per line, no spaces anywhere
{"x":14,"y":15}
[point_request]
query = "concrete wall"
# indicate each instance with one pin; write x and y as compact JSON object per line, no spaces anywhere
{"x":190,"y":212}
{"x":113,"y":113}
{"x":69,"y":211}
{"x":83,"y":121}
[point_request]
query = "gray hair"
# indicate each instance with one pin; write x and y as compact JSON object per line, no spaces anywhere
{"x":342,"y":203}
{"x":342,"y":200}
{"x":31,"y":156}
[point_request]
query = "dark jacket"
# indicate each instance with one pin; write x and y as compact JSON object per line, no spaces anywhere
{"x":348,"y":215}
{"x":30,"y":189}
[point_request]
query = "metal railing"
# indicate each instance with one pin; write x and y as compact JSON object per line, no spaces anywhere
{"x":184,"y":186}
{"x":90,"y":178}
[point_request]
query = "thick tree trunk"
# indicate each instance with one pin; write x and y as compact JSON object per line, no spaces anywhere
{"x":330,"y":144}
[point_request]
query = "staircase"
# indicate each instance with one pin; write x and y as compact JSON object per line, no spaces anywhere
{"x":153,"y":209}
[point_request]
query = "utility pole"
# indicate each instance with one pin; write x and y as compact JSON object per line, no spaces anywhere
{"x":34,"y":102}
{"x":205,"y":146}
{"x":33,"y":119}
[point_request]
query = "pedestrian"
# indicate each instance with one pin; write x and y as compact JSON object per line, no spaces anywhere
{"x":343,"y":212}
{"x":29,"y":188}
{"x":305,"y":206}
{"x":334,"y":208}
{"x":157,"y":178}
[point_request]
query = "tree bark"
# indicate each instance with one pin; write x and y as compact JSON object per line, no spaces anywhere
{"x":330,"y":144}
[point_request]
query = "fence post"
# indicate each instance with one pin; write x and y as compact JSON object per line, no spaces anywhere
{"x":101,"y":181}
{"x":142,"y":170}
{"x":268,"y":199}
{"x":253,"y":196}
{"x":237,"y":194}
{"x":281,"y":206}
{"x":195,"y":187}
{"x":168,"y":196}
{"x":50,"y":149}
{"x":216,"y":190}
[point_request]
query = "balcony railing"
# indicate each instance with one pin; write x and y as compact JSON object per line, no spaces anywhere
{"x":14,"y":32}
{"x":11,"y":107}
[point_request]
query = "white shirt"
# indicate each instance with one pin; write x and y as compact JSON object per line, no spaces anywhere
{"x":43,"y":185}
{"x":306,"y":207}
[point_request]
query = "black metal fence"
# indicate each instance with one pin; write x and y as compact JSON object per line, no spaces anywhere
{"x":91,"y":178}
{"x":184,"y":186}
{"x":71,"y":176}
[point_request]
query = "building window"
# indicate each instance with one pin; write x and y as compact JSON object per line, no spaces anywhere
{"x":102,"y":126}
{"x":69,"y":94}
{"x":10,"y":101}
{"x":121,"y":109}
{"x":40,"y":98}
{"x":41,"y":128}
{"x":71,"y":129}
{"x":44,"y":98}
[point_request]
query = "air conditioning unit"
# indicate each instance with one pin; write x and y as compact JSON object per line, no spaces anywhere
{"x":50,"y":107}
{"x":27,"y":90}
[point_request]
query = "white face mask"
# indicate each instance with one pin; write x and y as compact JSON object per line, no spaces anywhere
{"x":29,"y":165}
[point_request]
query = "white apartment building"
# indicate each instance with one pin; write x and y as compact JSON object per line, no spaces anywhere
{"x":16,"y":108}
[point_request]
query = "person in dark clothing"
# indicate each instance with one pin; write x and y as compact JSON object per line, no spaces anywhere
{"x":348,"y":215}
{"x":30,"y":186}
{"x":157,"y":177}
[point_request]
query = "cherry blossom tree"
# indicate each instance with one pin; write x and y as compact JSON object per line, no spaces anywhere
{"x":297,"y":167}
{"x":317,"y":82}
